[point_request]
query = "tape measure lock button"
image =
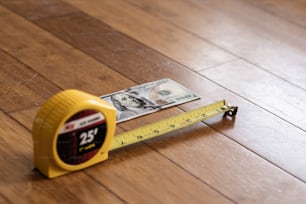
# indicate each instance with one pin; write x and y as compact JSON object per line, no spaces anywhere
{"x":80,"y":128}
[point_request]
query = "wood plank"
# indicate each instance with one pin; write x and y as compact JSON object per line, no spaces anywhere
{"x":141,"y":175}
{"x":266,"y":134}
{"x":183,"y":46}
{"x":292,"y":11}
{"x":25,"y":117}
{"x":21,"y":86}
{"x":19,"y":184}
{"x":39,"y":9}
{"x":267,"y":91}
{"x":55,"y":60}
{"x":275,"y":50}
{"x":216,"y":160}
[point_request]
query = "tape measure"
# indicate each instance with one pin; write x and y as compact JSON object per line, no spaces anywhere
{"x":74,"y":130}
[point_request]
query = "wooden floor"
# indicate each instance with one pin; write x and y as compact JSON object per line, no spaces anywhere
{"x":251,"y":53}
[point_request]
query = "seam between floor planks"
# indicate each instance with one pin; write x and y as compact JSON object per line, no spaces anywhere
{"x":255,"y":104}
{"x":37,"y":74}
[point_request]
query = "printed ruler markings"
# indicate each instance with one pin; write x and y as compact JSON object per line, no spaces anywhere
{"x":171,"y":124}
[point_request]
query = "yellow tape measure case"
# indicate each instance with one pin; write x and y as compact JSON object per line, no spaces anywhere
{"x":72,"y":130}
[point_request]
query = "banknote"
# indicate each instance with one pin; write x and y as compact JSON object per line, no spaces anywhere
{"x":148,"y":98}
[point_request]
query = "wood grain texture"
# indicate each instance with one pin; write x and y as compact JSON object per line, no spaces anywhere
{"x":268,"y":92}
{"x":54,"y":59}
{"x":251,"y":159}
{"x":21,"y":86}
{"x":213,"y":158}
{"x":254,"y":35}
{"x":292,"y":11}
{"x":140,"y":175}
{"x":194,"y":52}
{"x":39,"y":9}
{"x":182,"y":46}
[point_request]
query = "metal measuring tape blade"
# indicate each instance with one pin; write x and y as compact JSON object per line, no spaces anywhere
{"x":74,"y":130}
